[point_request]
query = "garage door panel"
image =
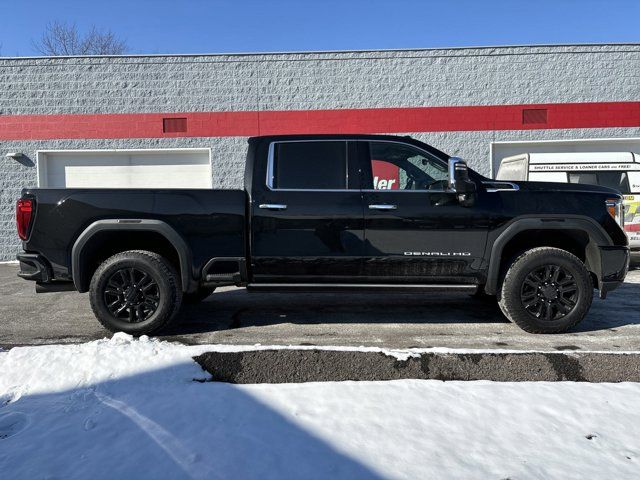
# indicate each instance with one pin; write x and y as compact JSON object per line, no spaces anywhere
{"x":138,"y":176}
{"x":126,"y":169}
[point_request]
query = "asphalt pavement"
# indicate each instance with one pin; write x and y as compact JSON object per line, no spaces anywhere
{"x":234,"y":316}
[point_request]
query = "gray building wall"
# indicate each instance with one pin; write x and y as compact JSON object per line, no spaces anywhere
{"x":304,"y":81}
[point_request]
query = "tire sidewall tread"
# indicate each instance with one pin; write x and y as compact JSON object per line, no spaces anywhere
{"x":168,"y":283}
{"x":509,"y":294}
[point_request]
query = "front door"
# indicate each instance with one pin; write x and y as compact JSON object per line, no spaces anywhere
{"x":415,"y":230}
{"x":307,"y":216}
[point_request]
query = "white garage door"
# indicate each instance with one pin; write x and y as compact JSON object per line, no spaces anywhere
{"x":174,"y":168}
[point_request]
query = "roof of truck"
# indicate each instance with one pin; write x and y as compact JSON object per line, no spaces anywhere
{"x":350,"y":136}
{"x":338,"y":136}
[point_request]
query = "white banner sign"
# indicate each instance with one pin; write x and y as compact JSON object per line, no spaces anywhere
{"x":572,"y":167}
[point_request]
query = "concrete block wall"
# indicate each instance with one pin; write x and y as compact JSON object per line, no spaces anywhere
{"x":304,"y":81}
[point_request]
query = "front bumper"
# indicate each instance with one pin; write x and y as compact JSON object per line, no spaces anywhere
{"x":614,"y":264}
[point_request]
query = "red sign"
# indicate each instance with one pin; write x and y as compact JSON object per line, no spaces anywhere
{"x":386,"y":176}
{"x":365,"y":120}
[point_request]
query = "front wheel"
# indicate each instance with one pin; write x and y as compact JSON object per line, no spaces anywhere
{"x":546,"y":290}
{"x":136,"y":292}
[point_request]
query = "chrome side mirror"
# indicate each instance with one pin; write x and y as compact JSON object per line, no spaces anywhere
{"x":459,"y":182}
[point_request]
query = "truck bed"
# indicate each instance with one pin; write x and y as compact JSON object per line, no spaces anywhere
{"x":211,"y":222}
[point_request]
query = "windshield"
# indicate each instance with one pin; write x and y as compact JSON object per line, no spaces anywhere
{"x":616,"y":180}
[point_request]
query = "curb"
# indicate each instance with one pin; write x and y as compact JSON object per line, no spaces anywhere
{"x":296,"y":366}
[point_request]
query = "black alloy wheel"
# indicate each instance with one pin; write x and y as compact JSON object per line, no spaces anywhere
{"x":132,"y":295}
{"x":136,"y":292}
{"x":546,"y":290}
{"x":549,"y":292}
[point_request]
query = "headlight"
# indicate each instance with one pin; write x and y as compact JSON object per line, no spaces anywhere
{"x":616,"y":210}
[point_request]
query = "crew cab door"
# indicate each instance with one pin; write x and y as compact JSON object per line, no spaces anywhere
{"x":415,"y":229}
{"x":307,"y":214}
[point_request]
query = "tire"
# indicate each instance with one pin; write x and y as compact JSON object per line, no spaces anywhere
{"x":136,"y":292}
{"x":197,"y":296}
{"x":565,"y":290}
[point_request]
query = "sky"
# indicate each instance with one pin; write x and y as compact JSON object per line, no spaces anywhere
{"x":222,"y":26}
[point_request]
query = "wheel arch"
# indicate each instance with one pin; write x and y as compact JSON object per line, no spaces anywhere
{"x":80,"y":268}
{"x":594,"y":235}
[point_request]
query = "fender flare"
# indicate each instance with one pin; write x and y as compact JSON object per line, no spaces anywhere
{"x":597,"y":237}
{"x":158,"y":226}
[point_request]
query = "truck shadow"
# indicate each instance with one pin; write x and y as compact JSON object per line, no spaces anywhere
{"x":236,"y":308}
{"x":621,"y":307}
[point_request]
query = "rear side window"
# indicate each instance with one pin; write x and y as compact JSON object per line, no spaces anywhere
{"x":513,"y":169}
{"x":313,"y":165}
{"x":616,"y":180}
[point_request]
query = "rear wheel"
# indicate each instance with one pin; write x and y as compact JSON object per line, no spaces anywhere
{"x":136,"y":292}
{"x":546,"y":290}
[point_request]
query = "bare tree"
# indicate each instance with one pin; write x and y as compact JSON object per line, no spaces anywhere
{"x":61,"y":38}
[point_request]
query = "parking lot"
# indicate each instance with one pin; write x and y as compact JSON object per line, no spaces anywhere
{"x":233,"y":316}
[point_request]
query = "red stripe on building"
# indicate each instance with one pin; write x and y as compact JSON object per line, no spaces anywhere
{"x":370,"y":120}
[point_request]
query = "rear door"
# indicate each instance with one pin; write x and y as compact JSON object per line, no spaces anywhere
{"x":415,"y":230}
{"x":307,"y":214}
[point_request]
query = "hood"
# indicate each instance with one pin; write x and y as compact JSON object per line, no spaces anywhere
{"x":566,"y":187}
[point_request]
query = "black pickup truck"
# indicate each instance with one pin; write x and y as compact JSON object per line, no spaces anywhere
{"x":338,"y":212}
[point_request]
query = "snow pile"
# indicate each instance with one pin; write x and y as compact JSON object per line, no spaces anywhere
{"x":125,"y":408}
{"x":54,"y":368}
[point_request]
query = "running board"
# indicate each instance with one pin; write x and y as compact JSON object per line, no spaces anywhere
{"x":360,"y":287}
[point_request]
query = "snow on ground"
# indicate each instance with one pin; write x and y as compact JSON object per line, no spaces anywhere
{"x":125,"y":408}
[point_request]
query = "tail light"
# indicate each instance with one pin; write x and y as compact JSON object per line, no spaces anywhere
{"x":632,"y":227}
{"x":24,"y":213}
{"x":616,"y":210}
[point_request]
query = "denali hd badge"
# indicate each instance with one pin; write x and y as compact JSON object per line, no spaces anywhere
{"x":438,"y":254}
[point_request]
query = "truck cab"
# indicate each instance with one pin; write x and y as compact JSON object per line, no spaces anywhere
{"x":363,"y":211}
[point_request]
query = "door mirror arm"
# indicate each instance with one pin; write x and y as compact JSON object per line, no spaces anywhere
{"x":459,"y":182}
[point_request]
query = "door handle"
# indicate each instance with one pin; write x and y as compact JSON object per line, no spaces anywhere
{"x":382,"y":206}
{"x":273,"y":206}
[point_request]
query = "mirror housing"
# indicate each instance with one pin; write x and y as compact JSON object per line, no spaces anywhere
{"x":459,"y":182}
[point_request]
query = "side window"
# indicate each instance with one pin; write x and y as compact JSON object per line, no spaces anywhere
{"x":313,"y":165}
{"x":402,"y":167}
{"x":513,"y":168}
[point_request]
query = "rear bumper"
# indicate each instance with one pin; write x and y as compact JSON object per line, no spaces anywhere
{"x":36,"y":268}
{"x":614,"y":264}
